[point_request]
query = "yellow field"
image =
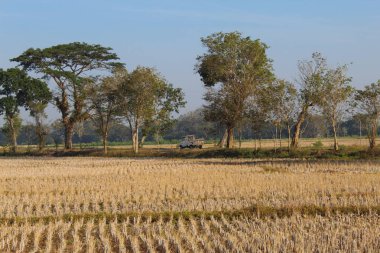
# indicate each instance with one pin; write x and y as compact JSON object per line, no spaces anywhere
{"x":205,"y":205}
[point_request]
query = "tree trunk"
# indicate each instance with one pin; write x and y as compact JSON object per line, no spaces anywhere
{"x":141,"y":144}
{"x":105,"y":146}
{"x":297,"y":127}
{"x":260,"y":141}
{"x":230,"y":137}
{"x":40,"y":132}
{"x":223,"y":140}
{"x":41,"y":142}
{"x":289,"y":138}
{"x":275,"y":138}
{"x":240,"y":137}
{"x":135,"y":140}
{"x":69,"y":131}
{"x":336,"y":146}
{"x":13,"y":133}
{"x":372,"y":136}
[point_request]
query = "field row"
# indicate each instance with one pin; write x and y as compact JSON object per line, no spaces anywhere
{"x":238,"y":234}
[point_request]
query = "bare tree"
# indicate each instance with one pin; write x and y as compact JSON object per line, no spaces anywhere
{"x":336,"y":91}
{"x":368,"y":101}
{"x":280,"y":97}
{"x":311,"y":87}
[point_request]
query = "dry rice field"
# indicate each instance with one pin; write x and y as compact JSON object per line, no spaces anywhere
{"x":204,"y":205}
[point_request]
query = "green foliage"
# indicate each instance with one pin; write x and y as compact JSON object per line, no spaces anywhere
{"x":240,"y":65}
{"x":318,"y":144}
{"x":17,"y":90}
{"x":69,"y":66}
{"x":9,"y":130}
{"x":147,"y":100}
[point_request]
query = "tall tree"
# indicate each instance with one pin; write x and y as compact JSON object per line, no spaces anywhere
{"x":368,"y":101}
{"x":238,"y":64}
{"x":103,"y":103}
{"x":311,"y":74}
{"x":336,"y":91}
{"x":17,"y":90}
{"x":68,"y":65}
{"x":146,"y":95}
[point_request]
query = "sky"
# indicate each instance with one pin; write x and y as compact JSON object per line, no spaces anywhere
{"x":166,"y":34}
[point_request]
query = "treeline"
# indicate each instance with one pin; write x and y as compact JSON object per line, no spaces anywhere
{"x":189,"y":123}
{"x":96,"y":95}
{"x":90,"y":84}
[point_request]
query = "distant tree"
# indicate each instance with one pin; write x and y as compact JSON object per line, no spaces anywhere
{"x":368,"y":101}
{"x":257,"y":112}
{"x":231,"y":69}
{"x":37,"y":103}
{"x":17,"y":90}
{"x":68,"y":65}
{"x":41,"y":129}
{"x":145,"y":96}
{"x":57,"y":132}
{"x":119,"y":132}
{"x":193,"y":123}
{"x":281,"y":98}
{"x":311,"y":74}
{"x":103,"y":103}
{"x":79,"y":131}
{"x":336,"y":91}
{"x":27,"y":134}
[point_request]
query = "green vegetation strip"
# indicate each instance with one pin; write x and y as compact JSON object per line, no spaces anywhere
{"x":254,"y":211}
{"x":345,"y":153}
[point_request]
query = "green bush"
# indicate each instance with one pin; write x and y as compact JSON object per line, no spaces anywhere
{"x":318,"y":144}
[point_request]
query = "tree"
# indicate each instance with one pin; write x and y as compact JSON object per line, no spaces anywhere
{"x":368,"y":101}
{"x":68,"y":65}
{"x":37,"y":103}
{"x":231,"y":70}
{"x":281,"y":96}
{"x":42,"y":131}
{"x":103,"y":103}
{"x":336,"y":91}
{"x":57,"y":132}
{"x":145,"y":96}
{"x":257,"y":112}
{"x":17,"y":90}
{"x":311,"y":74}
{"x":11,"y":130}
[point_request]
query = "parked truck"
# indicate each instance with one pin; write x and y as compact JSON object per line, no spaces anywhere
{"x":189,"y":141}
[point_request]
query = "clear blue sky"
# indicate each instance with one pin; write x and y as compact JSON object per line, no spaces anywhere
{"x":166,"y":34}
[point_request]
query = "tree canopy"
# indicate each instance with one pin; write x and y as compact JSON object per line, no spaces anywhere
{"x":17,"y":89}
{"x":231,"y":69}
{"x":69,"y":66}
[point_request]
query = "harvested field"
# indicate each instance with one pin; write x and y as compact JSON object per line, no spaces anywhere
{"x":191,"y":205}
